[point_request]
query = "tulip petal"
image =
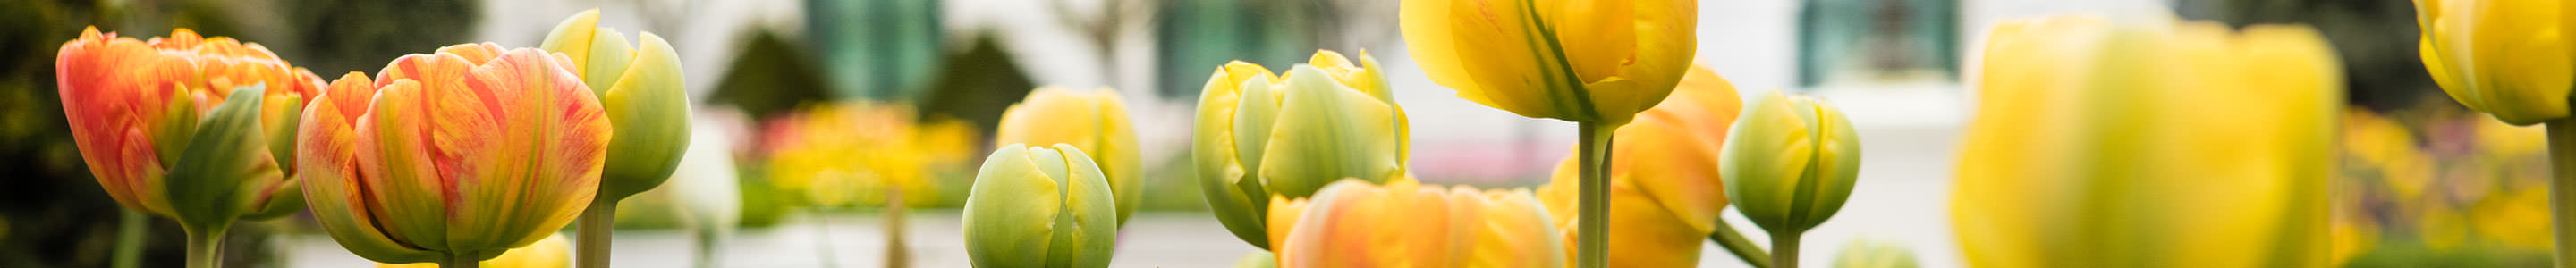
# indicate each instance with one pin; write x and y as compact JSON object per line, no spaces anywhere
{"x":409,"y":199}
{"x":524,"y":98}
{"x":649,"y":110}
{"x":332,"y":177}
{"x":206,"y":185}
{"x":1323,"y":124}
{"x":1222,"y":178}
{"x":1012,"y":208}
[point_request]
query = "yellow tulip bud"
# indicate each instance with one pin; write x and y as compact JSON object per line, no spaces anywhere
{"x":1260,"y":134}
{"x":1404,"y":224}
{"x":641,"y":89}
{"x":1790,"y":162}
{"x":1583,"y":61}
{"x":2165,"y":144}
{"x":2509,"y":58}
{"x":1040,"y":207}
{"x":1092,"y":120}
{"x":1672,"y":150}
{"x":553,"y":252}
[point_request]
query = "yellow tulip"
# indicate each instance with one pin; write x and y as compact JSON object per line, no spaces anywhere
{"x":1664,"y":187}
{"x":1261,"y":134}
{"x":2509,"y":58}
{"x":452,"y":157}
{"x":553,"y":252}
{"x":1095,"y":121}
{"x":1040,"y":207}
{"x":1352,"y":223}
{"x":2099,"y":144}
{"x":1583,"y":61}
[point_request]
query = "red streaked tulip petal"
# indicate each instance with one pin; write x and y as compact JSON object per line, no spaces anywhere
{"x":394,"y":158}
{"x":536,"y":103}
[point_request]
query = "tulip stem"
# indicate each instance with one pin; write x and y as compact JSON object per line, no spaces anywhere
{"x":129,"y":239}
{"x":1734,"y":242}
{"x":596,"y":224}
{"x":205,"y":245}
{"x":2562,"y":188}
{"x":1784,"y":250}
{"x":1593,"y":196}
{"x":460,"y":260}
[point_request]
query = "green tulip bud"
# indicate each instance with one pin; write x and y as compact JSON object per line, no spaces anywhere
{"x":1789,"y":162}
{"x":1260,"y":134}
{"x":640,"y":87}
{"x":1040,"y":207}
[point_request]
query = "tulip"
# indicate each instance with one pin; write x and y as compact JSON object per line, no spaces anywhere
{"x":1352,"y":223}
{"x":1671,"y":149}
{"x":553,"y":252}
{"x":1788,"y":166}
{"x":640,"y":88}
{"x":2169,"y":145}
{"x":2509,"y":58}
{"x":452,"y":157}
{"x":1040,"y":207}
{"x":1095,"y":121}
{"x":1875,"y":254}
{"x":1595,"y":63}
{"x":187,"y":127}
{"x":1260,"y":134}
{"x":1583,"y":61}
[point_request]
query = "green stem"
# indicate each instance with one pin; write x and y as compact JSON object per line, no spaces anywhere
{"x":205,"y":246}
{"x":2562,"y":188}
{"x":898,"y":253}
{"x":1592,"y":203}
{"x":592,"y":237}
{"x":461,"y":260}
{"x":129,"y":239}
{"x":1734,"y":242}
{"x":1784,"y":250}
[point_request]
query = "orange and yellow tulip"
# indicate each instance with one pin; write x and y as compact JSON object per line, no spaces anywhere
{"x":1664,"y":187}
{"x":1352,"y":223}
{"x":187,"y":127}
{"x":454,"y":156}
{"x":142,"y":110}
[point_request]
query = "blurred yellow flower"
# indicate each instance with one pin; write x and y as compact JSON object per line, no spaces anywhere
{"x":856,"y":153}
{"x":1867,"y":253}
{"x":2517,"y":217}
{"x":1665,"y":193}
{"x":1352,"y":223}
{"x":553,"y":252}
{"x":2509,"y":58}
{"x":1094,"y":120}
{"x":1582,"y":61}
{"x":1261,"y":134}
{"x":2162,"y":144}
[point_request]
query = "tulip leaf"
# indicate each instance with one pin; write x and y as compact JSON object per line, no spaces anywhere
{"x":206,"y":184}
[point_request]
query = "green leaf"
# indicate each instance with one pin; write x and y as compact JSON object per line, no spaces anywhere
{"x":206,"y":184}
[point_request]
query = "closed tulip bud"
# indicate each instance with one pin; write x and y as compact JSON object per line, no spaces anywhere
{"x":188,"y":127}
{"x":1582,"y":61}
{"x":1790,"y":162}
{"x":454,"y":156}
{"x":1404,"y":224}
{"x":1665,"y":192}
{"x":640,"y":87}
{"x":1260,"y":134}
{"x":2510,"y":58}
{"x":1094,"y":121}
{"x":2097,"y":143}
{"x":1875,"y":254}
{"x":553,"y":252}
{"x":1040,"y":207}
